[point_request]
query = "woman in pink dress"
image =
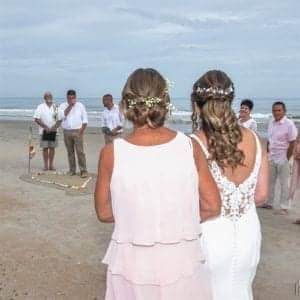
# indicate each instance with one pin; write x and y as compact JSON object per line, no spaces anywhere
{"x":150,"y":185}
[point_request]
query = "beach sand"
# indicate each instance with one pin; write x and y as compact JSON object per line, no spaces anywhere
{"x":51,"y":243}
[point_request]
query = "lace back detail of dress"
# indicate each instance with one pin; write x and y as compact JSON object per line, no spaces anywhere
{"x":236,"y":200}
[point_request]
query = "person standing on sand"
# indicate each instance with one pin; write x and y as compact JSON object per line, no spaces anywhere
{"x":155,"y":190}
{"x":239,"y":164}
{"x":295,"y":176}
{"x":245,"y":118}
{"x":74,"y":122}
{"x":47,"y":117}
{"x":112,"y":120}
{"x":282,"y":134}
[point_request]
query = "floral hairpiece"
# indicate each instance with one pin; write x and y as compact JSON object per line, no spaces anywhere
{"x":214,"y":90}
{"x":169,"y":85}
{"x":149,"y":101}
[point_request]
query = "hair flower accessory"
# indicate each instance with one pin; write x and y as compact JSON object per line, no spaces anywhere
{"x":149,"y":101}
{"x":131,"y":103}
{"x":169,"y":85}
{"x":214,"y":90}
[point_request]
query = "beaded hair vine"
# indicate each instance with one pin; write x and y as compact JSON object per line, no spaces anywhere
{"x":214,"y":90}
{"x":150,"y":101}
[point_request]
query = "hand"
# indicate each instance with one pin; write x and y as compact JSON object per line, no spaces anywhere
{"x":53,"y":128}
{"x":115,"y":130}
{"x":48,"y":129}
{"x":80,"y":132}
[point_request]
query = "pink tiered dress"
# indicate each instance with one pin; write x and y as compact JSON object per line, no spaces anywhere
{"x":155,"y":251}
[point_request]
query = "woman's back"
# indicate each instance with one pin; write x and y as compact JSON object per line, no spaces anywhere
{"x":155,"y":203}
{"x":232,"y":241}
{"x":248,"y":146}
{"x":154,"y":192}
{"x":236,"y":160}
{"x":237,"y":186}
{"x":150,"y":185}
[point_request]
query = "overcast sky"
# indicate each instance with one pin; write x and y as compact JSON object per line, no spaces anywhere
{"x":92,"y":46}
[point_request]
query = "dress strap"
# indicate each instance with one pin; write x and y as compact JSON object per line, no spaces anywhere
{"x":196,"y":138}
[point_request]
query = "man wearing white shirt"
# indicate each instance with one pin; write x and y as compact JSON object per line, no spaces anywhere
{"x":112,"y":120}
{"x":74,"y":122}
{"x":47,"y":117}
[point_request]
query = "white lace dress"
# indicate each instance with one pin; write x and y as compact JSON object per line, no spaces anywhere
{"x":232,"y":241}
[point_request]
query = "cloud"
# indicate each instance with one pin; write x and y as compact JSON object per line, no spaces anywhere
{"x":92,"y":41}
{"x":164,"y":29}
{"x":192,"y":17}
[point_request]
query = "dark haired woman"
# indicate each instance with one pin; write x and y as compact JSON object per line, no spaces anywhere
{"x":149,"y":186}
{"x":238,"y":162}
{"x":245,"y":118}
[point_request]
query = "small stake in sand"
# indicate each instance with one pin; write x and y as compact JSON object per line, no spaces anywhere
{"x":31,"y":149}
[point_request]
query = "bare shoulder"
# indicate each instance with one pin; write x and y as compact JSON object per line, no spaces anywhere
{"x":249,"y":139}
{"x":199,"y":155}
{"x":107,"y":156}
{"x":248,"y":136}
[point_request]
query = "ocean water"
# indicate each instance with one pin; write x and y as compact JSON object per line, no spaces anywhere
{"x":22,"y":108}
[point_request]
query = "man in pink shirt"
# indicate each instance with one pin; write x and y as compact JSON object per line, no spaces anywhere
{"x":282,"y":134}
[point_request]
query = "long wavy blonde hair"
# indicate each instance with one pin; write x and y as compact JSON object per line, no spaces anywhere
{"x":141,"y":85}
{"x":213,"y":94}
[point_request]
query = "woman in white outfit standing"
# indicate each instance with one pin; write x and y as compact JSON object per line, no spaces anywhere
{"x":238,"y":163}
{"x":155,"y":185}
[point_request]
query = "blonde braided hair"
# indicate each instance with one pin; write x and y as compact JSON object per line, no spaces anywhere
{"x":213,"y":94}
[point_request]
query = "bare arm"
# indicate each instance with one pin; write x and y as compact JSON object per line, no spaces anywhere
{"x":84,"y":120}
{"x":210,"y":201}
{"x":42,"y":124}
{"x":102,"y":194}
{"x":262,"y":186}
{"x":290,"y":149}
{"x":57,"y":124}
{"x":115,"y":130}
{"x":82,"y":129}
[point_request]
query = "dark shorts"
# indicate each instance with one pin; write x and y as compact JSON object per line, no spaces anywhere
{"x":48,"y":144}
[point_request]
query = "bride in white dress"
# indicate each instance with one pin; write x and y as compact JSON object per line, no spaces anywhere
{"x":239,"y":165}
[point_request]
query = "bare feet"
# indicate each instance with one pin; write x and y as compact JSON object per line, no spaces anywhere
{"x":281,"y":212}
{"x":266,"y":206}
{"x":83,"y":174}
{"x":71,"y":173}
{"x":52,"y":169}
{"x":45,"y":169}
{"x":297,"y":222}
